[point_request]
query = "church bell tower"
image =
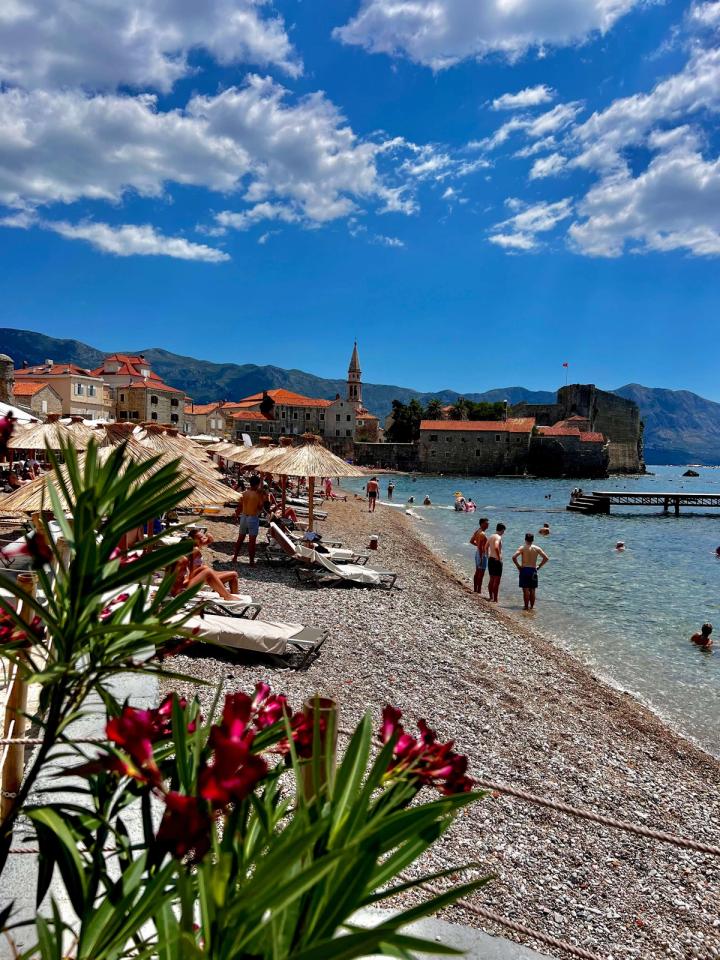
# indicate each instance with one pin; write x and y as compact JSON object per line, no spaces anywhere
{"x":354,"y":381}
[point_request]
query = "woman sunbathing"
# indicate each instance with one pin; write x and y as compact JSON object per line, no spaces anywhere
{"x":185,"y":578}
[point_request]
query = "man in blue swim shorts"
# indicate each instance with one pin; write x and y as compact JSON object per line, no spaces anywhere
{"x":251,"y":505}
{"x":479,"y":541}
{"x":525,"y":559}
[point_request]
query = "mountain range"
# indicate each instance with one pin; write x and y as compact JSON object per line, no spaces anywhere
{"x":680,"y":426}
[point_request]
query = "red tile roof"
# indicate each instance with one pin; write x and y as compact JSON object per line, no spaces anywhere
{"x":128,"y":367}
{"x":29,"y":388}
{"x":54,"y":370}
{"x":287,"y":398}
{"x":251,"y":415}
{"x":511,"y":425}
{"x":592,"y":438}
{"x":148,"y":384}
{"x":365,"y":414}
{"x":562,"y":431}
{"x":203,"y":408}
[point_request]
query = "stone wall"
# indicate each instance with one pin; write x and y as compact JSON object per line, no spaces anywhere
{"x":481,"y":454}
{"x":618,"y":419}
{"x":568,"y":457}
{"x":387,"y":456}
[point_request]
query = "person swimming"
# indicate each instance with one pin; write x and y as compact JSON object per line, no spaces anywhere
{"x":703,"y":639}
{"x":544,"y":530}
{"x":620,"y":546}
{"x":411,"y":499}
{"x":427,"y":501}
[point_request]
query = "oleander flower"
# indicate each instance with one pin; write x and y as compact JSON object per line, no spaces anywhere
{"x":33,"y":545}
{"x":233,"y":772}
{"x":134,"y":731}
{"x":13,"y":635}
{"x":431,"y":763}
{"x":185,"y":827}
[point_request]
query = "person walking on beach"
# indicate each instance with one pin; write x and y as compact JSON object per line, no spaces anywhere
{"x":525,"y":559}
{"x":495,"y":561}
{"x":479,"y":541}
{"x":252,"y":503}
{"x":373,"y":489}
{"x":391,"y":489}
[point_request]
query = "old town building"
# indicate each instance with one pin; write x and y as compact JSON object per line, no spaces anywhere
{"x":81,"y":393}
{"x":139,"y":393}
{"x":482,"y":447}
{"x":40,"y":398}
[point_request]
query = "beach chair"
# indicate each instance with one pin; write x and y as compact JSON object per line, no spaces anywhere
{"x":267,"y":637}
{"x":287,"y":549}
{"x":241,"y":605}
{"x":324,"y":571}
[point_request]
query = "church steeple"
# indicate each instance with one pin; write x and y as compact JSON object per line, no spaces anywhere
{"x":354,"y":380}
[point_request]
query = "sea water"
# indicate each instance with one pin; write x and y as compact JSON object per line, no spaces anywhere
{"x":628,"y":615}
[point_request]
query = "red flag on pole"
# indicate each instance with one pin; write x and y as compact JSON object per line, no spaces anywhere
{"x":566,"y":364}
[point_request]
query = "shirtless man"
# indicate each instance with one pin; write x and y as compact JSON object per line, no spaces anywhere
{"x":373,"y":490}
{"x":495,"y":561}
{"x":525,"y":559}
{"x":248,"y":510}
{"x":703,"y":639}
{"x":479,"y":541}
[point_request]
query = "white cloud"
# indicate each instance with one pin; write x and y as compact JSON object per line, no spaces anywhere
{"x":126,"y":240}
{"x":258,"y":214}
{"x":547,"y":166}
{"x":427,"y":163}
{"x":532,"y":149}
{"x":628,"y":122}
{"x":103,"y":44}
{"x":529,"y":97}
{"x":706,"y":14}
{"x":388,"y":241}
{"x":542,"y":126}
{"x":64,"y":146}
{"x":519,"y":232}
{"x":673,"y":205}
{"x":440,"y":33}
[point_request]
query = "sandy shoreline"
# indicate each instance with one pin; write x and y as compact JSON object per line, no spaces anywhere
{"x":526,"y":713}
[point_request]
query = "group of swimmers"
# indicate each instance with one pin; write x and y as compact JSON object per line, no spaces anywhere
{"x":528,"y":558}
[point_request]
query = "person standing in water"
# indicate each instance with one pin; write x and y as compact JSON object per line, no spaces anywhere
{"x":390,"y":489}
{"x":704,"y":638}
{"x":479,"y":541}
{"x":525,"y":559}
{"x":373,"y":489}
{"x":495,"y":561}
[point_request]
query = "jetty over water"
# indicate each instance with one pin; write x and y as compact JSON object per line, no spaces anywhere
{"x":601,"y":501}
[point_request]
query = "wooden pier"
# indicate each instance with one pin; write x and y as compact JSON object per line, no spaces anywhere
{"x":601,"y":501}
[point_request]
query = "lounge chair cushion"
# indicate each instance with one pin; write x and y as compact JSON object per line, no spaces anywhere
{"x":259,"y":636}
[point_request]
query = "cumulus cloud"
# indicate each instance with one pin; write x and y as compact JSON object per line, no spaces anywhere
{"x":547,"y":166}
{"x":103,"y":44}
{"x":126,"y":240}
{"x":63,"y":146}
{"x":260,"y":213}
{"x":519,"y":232}
{"x":440,"y":33}
{"x":673,"y":205}
{"x":529,"y":97}
{"x":706,"y":14}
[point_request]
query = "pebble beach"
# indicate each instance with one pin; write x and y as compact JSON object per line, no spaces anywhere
{"x":527,"y":714}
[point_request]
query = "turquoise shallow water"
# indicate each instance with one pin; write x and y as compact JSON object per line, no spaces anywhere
{"x":628,"y":615}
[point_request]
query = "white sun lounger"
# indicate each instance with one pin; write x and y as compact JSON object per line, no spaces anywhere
{"x":268,"y":637}
{"x":325,"y":571}
{"x":306,"y":554}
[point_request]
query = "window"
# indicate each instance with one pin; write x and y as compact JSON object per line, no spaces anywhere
{"x":134,"y":415}
{"x":91,"y":390}
{"x":174,"y":418}
{"x":43,"y":406}
{"x":283,"y":414}
{"x":337,"y":417}
{"x":361,"y":423}
{"x":154,"y":400}
{"x":307,"y":414}
{"x":295,"y":415}
{"x":123,"y":414}
{"x":433,"y":438}
{"x":348,"y":433}
{"x":122,"y":397}
{"x":174,"y":402}
{"x":497,"y":437}
{"x":322,"y":416}
{"x":337,"y":433}
{"x":449,"y":439}
{"x":153,"y":416}
{"x":79,"y":390}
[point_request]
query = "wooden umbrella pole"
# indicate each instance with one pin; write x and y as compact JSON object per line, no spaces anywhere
{"x":283,"y":499}
{"x":311,"y":501}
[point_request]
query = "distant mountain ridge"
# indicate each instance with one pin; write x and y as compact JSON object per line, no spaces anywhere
{"x":680,"y":426}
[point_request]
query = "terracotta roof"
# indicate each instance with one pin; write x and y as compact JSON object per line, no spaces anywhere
{"x":148,"y":384}
{"x":251,"y":415}
{"x":562,"y":431}
{"x":128,"y":367}
{"x":592,"y":438}
{"x":576,"y":417}
{"x":53,"y":370}
{"x":366,"y":415}
{"x":287,"y":398}
{"x":29,"y":389}
{"x":203,"y":407}
{"x":511,"y":425}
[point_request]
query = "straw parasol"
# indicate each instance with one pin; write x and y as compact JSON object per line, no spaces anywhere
{"x":311,"y":459}
{"x":38,"y":436}
{"x":206,"y":490}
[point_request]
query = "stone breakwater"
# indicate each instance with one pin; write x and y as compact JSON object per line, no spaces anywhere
{"x":526,"y":713}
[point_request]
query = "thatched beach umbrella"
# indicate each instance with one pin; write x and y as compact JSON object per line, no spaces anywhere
{"x":38,"y":436}
{"x":206,"y":491}
{"x":310,"y":459}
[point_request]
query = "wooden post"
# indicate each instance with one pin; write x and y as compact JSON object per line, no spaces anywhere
{"x":283,"y":498}
{"x":677,"y":506}
{"x":15,"y":722}
{"x":666,"y":505}
{"x":311,"y":501}
{"x":324,"y":711}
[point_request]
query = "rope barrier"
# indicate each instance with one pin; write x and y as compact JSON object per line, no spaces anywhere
{"x":34,"y":741}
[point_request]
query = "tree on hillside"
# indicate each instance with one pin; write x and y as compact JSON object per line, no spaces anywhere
{"x":406,"y":419}
{"x":460,"y":409}
{"x":434,"y":409}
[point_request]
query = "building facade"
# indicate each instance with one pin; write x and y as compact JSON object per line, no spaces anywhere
{"x":39,"y":398}
{"x":82,"y":393}
{"x":481,"y":447}
{"x":139,"y":393}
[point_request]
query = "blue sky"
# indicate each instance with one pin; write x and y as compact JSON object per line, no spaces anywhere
{"x":477,"y":190}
